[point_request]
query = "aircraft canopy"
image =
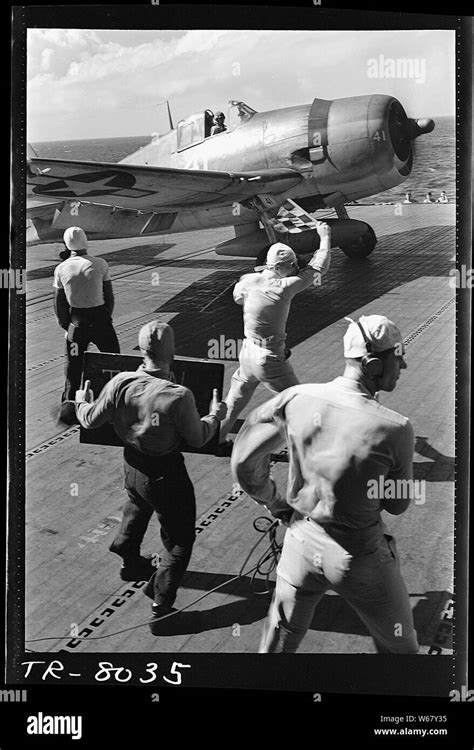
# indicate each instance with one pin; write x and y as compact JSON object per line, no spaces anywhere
{"x":238,"y":113}
{"x":196,"y":128}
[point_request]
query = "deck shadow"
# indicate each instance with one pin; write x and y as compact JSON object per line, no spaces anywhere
{"x":438,"y":468}
{"x":332,"y":615}
{"x":205,"y":309}
{"x":138,"y":255}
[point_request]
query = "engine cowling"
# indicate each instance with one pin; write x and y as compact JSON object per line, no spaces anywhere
{"x":360,"y":146}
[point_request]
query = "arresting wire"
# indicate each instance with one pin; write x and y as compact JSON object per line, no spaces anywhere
{"x":268,"y":558}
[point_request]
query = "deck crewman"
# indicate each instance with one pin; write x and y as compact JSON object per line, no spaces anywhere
{"x":83,"y":304}
{"x":153,"y":415}
{"x":341,"y":443}
{"x":266,"y":298}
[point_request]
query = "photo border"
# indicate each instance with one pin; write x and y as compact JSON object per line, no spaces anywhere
{"x":239,"y":671}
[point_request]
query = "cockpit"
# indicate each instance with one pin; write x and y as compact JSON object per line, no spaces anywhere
{"x":196,"y":128}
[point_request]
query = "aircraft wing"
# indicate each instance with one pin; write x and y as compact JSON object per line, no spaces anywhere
{"x":157,"y":189}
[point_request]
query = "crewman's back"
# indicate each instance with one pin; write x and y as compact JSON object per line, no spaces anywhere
{"x":82,"y":278}
{"x":266,"y":298}
{"x":340,"y":440}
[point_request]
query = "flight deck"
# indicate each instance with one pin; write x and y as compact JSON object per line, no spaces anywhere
{"x":75,"y":600}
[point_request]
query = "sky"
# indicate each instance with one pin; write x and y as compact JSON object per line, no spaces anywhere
{"x":86,"y":83}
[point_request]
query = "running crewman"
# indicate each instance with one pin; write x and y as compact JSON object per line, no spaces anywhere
{"x":266,"y":298}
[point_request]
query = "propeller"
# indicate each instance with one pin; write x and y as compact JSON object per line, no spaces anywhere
{"x":420,"y":126}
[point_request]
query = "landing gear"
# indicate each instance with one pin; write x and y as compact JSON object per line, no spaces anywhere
{"x":355,"y":238}
{"x":362,"y":246}
{"x":264,"y":213}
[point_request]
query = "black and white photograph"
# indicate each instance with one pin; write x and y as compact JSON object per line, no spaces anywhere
{"x":239,"y":257}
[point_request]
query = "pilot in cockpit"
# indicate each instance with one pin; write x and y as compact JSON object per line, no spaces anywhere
{"x":218,"y":126}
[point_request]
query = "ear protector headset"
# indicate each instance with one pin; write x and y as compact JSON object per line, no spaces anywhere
{"x":372,"y":365}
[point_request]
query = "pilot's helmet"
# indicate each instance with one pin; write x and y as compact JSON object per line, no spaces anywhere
{"x":219,"y":116}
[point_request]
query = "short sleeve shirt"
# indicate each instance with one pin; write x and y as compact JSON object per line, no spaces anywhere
{"x":266,"y":299}
{"x":81,"y":277}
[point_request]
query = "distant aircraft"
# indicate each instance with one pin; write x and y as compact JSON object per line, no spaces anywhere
{"x":309,"y":157}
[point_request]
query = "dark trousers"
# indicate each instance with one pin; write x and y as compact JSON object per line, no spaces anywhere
{"x":160,"y":484}
{"x":91,"y":325}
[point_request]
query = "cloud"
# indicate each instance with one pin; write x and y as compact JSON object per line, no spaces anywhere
{"x":47,"y":57}
{"x":108,"y":82}
{"x":65,"y":46}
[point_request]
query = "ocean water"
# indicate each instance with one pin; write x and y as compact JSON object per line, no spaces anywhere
{"x":434,"y":159}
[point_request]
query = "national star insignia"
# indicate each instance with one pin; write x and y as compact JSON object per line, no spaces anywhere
{"x":91,"y":184}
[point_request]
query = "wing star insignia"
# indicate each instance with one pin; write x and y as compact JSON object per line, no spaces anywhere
{"x":88,"y":185}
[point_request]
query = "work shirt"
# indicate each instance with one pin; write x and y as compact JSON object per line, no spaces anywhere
{"x":149,"y":413}
{"x":82,"y":277}
{"x":266,"y":298}
{"x":342,"y":446}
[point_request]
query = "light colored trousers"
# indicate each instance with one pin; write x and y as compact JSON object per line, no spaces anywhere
{"x":311,"y":563}
{"x":256,"y":365}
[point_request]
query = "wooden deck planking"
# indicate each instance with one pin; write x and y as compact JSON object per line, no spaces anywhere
{"x":67,"y":583}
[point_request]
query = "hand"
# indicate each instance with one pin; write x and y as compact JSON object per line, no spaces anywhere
{"x":280,"y":228}
{"x":86,"y":394}
{"x":324,"y":230}
{"x":282,"y":515}
{"x":217,"y":408}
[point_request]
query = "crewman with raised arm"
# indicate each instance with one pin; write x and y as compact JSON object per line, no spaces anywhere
{"x":266,"y":298}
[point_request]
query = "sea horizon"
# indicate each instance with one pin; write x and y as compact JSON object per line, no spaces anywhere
{"x":434,"y":159}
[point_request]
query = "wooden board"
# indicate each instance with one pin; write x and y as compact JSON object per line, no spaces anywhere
{"x":199,"y":376}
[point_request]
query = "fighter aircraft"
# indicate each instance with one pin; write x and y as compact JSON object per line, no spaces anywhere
{"x":267,"y":169}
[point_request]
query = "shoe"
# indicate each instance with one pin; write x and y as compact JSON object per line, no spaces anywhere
{"x":159,"y":626}
{"x":224,"y":449}
{"x":138,"y":570}
{"x":160,"y":610}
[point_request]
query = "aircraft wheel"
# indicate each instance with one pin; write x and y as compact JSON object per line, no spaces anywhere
{"x":363,"y":246}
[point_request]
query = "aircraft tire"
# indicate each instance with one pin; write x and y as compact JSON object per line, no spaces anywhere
{"x":363,"y":246}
